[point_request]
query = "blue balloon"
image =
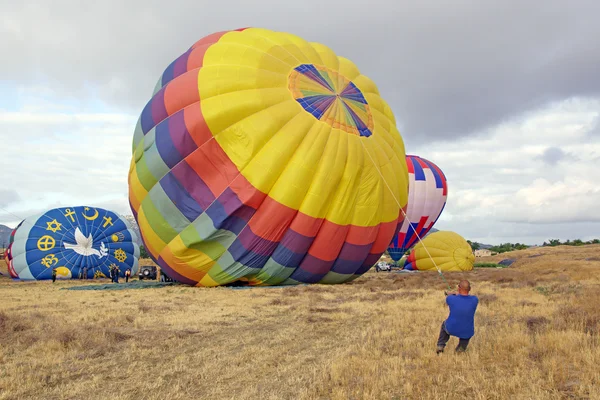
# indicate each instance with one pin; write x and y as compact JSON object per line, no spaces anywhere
{"x":76,"y":242}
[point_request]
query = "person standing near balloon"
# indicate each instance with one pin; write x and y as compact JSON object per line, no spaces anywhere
{"x":461,"y":321}
{"x":127,"y":275}
{"x":53,"y":275}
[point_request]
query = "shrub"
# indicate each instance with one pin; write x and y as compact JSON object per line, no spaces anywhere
{"x":487,"y":265}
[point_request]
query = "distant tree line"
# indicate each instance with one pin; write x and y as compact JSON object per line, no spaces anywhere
{"x":474,"y":245}
{"x":501,"y":248}
{"x":504,"y":247}
{"x":569,"y":242}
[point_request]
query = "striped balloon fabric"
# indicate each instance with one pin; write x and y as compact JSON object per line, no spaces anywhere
{"x":427,"y":194}
{"x":8,"y":255}
{"x":263,"y":159}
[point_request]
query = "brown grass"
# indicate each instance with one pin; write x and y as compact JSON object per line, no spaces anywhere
{"x":537,"y":337}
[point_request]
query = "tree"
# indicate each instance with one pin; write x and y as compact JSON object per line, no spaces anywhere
{"x":143,"y":252}
{"x":474,"y":245}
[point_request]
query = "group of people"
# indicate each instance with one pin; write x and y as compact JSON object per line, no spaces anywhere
{"x":115,"y":271}
{"x":114,"y":274}
{"x":83,"y":273}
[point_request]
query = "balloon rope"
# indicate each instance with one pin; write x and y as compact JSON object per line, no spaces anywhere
{"x":13,"y":214}
{"x":406,"y":217}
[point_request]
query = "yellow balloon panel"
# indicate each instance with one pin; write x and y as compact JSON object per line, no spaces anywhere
{"x":443,"y":250}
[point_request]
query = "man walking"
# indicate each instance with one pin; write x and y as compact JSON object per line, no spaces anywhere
{"x":461,"y":321}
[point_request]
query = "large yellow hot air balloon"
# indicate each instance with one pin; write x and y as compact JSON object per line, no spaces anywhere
{"x":266,"y":159}
{"x":448,"y":250}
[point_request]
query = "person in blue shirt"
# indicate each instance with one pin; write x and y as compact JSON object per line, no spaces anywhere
{"x":461,"y":321}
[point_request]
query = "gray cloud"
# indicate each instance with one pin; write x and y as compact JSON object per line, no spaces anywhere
{"x":593,"y":132}
{"x":553,"y":155}
{"x":470,"y":84}
{"x":8,"y":197}
{"x":447,"y":69}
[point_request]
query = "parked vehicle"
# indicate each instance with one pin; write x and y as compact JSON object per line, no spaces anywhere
{"x":147,"y":272}
{"x":383,"y":266}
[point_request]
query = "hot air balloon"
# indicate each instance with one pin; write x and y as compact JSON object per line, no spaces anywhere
{"x":264,"y":159}
{"x":7,"y":256}
{"x":449,"y":252}
{"x":74,"y":241}
{"x":8,"y":253}
{"x":427,"y":194}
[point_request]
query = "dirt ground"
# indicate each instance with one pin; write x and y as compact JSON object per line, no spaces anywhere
{"x":537,"y":337}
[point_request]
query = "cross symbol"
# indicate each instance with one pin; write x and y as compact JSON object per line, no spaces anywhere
{"x":108,"y":221}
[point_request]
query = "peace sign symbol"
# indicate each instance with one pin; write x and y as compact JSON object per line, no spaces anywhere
{"x":46,"y":243}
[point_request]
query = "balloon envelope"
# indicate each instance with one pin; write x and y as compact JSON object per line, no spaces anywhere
{"x":8,"y":257}
{"x":427,"y":194}
{"x":264,"y":158}
{"x":73,"y":240}
{"x":448,"y":250}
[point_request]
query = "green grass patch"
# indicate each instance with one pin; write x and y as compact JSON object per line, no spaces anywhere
{"x":488,"y":265}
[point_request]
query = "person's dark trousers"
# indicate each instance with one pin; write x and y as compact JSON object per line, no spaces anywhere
{"x":445,"y":336}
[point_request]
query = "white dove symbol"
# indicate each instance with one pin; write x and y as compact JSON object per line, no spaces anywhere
{"x":84,"y":245}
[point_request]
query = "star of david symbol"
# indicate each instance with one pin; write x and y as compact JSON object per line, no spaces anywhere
{"x":53,"y":226}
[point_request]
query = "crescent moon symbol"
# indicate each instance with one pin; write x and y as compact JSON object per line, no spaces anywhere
{"x":93,"y":217}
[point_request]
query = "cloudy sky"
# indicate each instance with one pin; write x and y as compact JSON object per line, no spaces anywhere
{"x":504,"y":96}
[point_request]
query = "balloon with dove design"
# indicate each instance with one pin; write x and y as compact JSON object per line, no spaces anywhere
{"x":74,"y":240}
{"x":264,"y":159}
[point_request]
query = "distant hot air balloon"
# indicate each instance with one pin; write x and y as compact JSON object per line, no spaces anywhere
{"x":427,"y":194}
{"x":448,"y":250}
{"x":266,"y":159}
{"x":7,"y":258}
{"x":8,"y":253}
{"x":73,"y":240}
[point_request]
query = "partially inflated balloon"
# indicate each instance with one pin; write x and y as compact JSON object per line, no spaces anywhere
{"x":449,"y":252}
{"x":8,"y":257}
{"x":427,"y":194}
{"x":73,"y":240}
{"x":266,"y":159}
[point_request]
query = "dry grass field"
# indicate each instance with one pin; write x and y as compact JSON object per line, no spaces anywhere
{"x":537,"y":337}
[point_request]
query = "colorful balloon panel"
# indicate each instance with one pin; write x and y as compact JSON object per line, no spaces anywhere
{"x":73,"y":240}
{"x":427,"y":194}
{"x":448,"y":250}
{"x":264,"y":158}
{"x":8,"y":257}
